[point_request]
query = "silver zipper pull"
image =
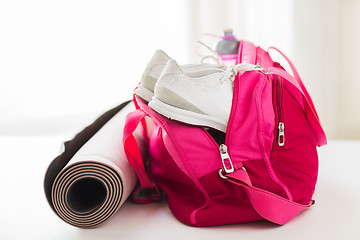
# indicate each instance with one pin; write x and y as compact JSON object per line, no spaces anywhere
{"x":226,"y":158}
{"x":281,"y":137}
{"x":258,"y":67}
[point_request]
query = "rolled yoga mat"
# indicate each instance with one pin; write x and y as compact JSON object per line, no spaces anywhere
{"x":92,"y":178}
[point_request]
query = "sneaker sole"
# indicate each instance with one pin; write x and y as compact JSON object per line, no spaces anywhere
{"x":144,"y":93}
{"x":186,"y":116}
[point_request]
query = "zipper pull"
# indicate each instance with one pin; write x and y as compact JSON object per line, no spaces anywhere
{"x":281,"y":137}
{"x":225,"y":158}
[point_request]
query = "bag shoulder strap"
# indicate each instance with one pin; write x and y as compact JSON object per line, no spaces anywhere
{"x":132,"y":151}
{"x":270,"y":206}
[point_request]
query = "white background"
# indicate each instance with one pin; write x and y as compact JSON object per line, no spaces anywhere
{"x":64,"y":62}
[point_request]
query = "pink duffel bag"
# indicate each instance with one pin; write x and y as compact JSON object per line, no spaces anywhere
{"x":266,"y":168}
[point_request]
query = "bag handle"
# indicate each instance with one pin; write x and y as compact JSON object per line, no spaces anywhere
{"x":297,"y":78}
{"x":308,"y":107}
{"x":135,"y":159}
{"x":247,"y":53}
{"x":270,"y":206}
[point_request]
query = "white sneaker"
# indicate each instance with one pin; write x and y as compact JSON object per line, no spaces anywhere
{"x":202,"y":101}
{"x":154,"y":68}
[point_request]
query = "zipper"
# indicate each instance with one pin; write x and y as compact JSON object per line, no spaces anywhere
{"x":281,"y":125}
{"x":228,"y":166}
{"x":227,"y":163}
{"x":225,"y":158}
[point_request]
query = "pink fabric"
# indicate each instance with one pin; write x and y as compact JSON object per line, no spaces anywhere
{"x":297,"y":77}
{"x":244,"y":120}
{"x":182,"y":194}
{"x":270,"y":206}
{"x":175,"y":134}
{"x":132,"y":150}
{"x":134,"y":157}
{"x":296,"y":166}
{"x":254,"y":117}
{"x":248,"y":52}
{"x":278,"y":182}
{"x":305,"y":102}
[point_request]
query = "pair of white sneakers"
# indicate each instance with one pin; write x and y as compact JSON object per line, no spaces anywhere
{"x":196,"y":94}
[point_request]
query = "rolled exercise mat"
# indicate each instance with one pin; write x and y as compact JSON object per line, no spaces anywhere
{"x":92,"y":178}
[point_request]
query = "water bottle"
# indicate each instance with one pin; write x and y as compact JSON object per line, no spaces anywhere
{"x":228,"y":47}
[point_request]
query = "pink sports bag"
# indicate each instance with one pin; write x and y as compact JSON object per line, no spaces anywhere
{"x":266,"y":168}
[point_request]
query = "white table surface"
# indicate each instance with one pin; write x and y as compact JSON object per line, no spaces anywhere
{"x":25,"y":213}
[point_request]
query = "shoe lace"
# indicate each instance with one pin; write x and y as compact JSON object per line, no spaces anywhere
{"x":214,"y":57}
{"x":232,"y":71}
